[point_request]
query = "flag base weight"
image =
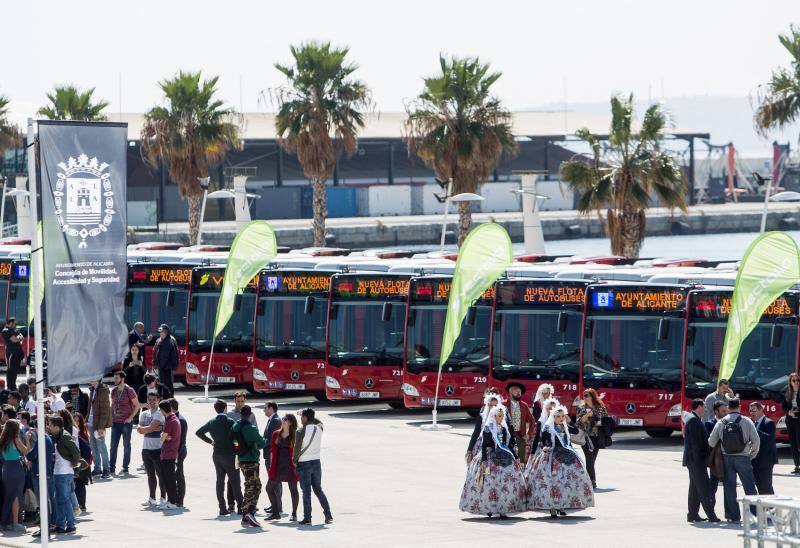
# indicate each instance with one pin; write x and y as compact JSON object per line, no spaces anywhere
{"x":204,"y":399}
{"x":434,"y":426}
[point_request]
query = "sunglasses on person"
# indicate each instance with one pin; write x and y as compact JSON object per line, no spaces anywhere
{"x":587,"y":395}
{"x":795,"y":380}
{"x":285,"y":419}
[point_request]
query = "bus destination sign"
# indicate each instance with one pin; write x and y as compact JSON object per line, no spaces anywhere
{"x":160,"y":275}
{"x":295,"y":283}
{"x":438,"y":291}
{"x":717,"y":306}
{"x":641,"y":300}
{"x":353,"y":287}
{"x":540,"y":295}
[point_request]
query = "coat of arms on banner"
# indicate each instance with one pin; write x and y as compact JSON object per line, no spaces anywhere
{"x":84,"y":201}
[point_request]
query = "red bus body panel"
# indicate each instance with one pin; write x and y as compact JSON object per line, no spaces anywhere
{"x":287,"y":374}
{"x":228,"y":368}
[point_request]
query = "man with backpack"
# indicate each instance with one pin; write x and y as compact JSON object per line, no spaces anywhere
{"x":67,"y":460}
{"x":740,"y":444}
{"x":247,"y":443}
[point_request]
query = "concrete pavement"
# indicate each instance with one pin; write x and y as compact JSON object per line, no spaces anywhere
{"x":390,"y":484}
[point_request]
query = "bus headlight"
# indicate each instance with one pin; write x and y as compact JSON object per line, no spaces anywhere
{"x":675,"y":411}
{"x":259,"y":375}
{"x":410,"y":390}
{"x":330,"y":382}
{"x":192,"y":368}
{"x":781,"y":422}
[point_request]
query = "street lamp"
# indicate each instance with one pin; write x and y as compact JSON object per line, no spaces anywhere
{"x":458,"y":198}
{"x":223,"y":194}
{"x":7,"y":194}
{"x":204,"y":183}
{"x":532,"y":232}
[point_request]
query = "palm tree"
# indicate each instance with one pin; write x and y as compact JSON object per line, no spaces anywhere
{"x":190,"y":135}
{"x":459,"y":129}
{"x":9,"y":133}
{"x":70,"y":103}
{"x":625,"y":174}
{"x":779,"y":99}
{"x":320,"y":111}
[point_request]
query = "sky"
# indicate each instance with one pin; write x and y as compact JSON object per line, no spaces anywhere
{"x":579,"y":50}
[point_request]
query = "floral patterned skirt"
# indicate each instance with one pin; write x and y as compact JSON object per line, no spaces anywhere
{"x":500,"y":491}
{"x":557,"y":479}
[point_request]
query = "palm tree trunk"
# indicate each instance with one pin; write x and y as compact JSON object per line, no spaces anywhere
{"x":464,"y":221}
{"x":626,"y":231}
{"x":320,"y":212}
{"x":194,"y":218}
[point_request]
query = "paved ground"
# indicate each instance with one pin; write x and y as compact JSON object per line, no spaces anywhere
{"x":392,"y":485}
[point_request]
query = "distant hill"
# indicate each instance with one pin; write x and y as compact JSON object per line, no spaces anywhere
{"x":725,"y":118}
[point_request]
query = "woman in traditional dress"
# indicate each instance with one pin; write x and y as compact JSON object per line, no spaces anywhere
{"x":543,"y":393}
{"x":544,"y":413}
{"x":557,"y":480}
{"x":494,"y":484}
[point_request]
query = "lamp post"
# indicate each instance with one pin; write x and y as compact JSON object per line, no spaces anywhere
{"x":458,"y":198}
{"x":204,"y":182}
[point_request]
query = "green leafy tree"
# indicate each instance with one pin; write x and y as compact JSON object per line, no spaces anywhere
{"x":779,"y":99}
{"x":459,"y":129}
{"x":320,"y":112}
{"x":9,"y":133}
{"x":189,"y":135}
{"x":71,"y":103}
{"x":624,"y":175}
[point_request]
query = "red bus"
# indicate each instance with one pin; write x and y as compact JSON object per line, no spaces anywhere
{"x":5,"y":278}
{"x":158,"y":293}
{"x":290,"y":331}
{"x":364,"y":348}
{"x":17,"y":306}
{"x":632,"y":352}
{"x":537,"y":334}
{"x":767,"y":356}
{"x":465,"y":374}
{"x":233,"y":351}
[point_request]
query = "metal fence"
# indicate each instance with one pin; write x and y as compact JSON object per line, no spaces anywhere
{"x":776,"y":520}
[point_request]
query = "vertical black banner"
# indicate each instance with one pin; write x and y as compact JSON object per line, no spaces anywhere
{"x":83,"y":192}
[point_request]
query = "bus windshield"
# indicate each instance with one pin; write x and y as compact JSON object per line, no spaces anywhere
{"x":148,"y":304}
{"x":237,"y":336}
{"x":358,"y":335}
{"x":424,"y":341}
{"x":284,"y":330}
{"x":528,"y":345}
{"x":625,"y":351}
{"x":762,"y":371}
{"x":18,"y":305}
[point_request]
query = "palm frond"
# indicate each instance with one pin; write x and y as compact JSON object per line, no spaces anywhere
{"x":778,"y":101}
{"x":70,"y":103}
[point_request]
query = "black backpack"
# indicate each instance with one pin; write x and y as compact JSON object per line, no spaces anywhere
{"x":732,"y":436}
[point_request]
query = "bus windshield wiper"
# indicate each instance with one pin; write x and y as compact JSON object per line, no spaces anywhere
{"x":754,"y":386}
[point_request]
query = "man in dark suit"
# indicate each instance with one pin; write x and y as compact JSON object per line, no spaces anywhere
{"x":720,"y":410}
{"x":695,"y":453}
{"x":767,"y":456}
{"x":221,"y":430}
{"x":273,"y":424}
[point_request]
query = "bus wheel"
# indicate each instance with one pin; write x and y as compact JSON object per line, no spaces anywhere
{"x":397,"y":405}
{"x":473,"y":412}
{"x":658,"y":433}
{"x":321,"y":396}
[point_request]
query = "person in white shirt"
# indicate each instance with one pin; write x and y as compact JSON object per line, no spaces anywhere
{"x":307,"y":451}
{"x":56,"y":401}
{"x":151,"y":421}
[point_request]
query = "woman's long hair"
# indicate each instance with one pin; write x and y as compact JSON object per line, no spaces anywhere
{"x":597,"y":403}
{"x":10,"y":434}
{"x":80,"y":422}
{"x":69,"y":422}
{"x":292,"y":420}
{"x":790,"y":393}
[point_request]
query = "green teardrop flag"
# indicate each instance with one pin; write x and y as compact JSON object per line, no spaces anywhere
{"x":252,"y":249}
{"x":32,"y":308}
{"x":485,"y":255}
{"x":770,"y":266}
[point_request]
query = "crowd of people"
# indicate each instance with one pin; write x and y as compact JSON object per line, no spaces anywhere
{"x":721,"y":444}
{"x":523,"y":458}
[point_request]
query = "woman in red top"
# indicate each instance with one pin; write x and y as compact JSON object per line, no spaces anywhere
{"x":281,"y":466}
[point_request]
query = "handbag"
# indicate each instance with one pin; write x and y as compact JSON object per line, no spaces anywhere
{"x":578,"y":438}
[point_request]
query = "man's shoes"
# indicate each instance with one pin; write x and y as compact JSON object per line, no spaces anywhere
{"x":224,"y":512}
{"x":238,"y":510}
{"x":305,"y":521}
{"x":293,"y":517}
{"x":59,"y":531}
{"x":734,"y":521}
{"x":70,"y":529}
{"x":150,"y":502}
{"x":694,"y":519}
{"x":96,"y":472}
{"x":714,"y":519}
{"x":328,"y":519}
{"x":124,"y":472}
{"x":251,"y":520}
{"x":106,"y":475}
{"x":272,"y":517}
{"x":268,"y":510}
{"x":76,"y":511}
{"x":796,"y":470}
{"x":167,"y":506}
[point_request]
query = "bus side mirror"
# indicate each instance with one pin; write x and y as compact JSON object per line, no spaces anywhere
{"x":588,"y":330}
{"x":663,"y":329}
{"x":12,"y":291}
{"x":690,"y":336}
{"x":472,"y":313}
{"x":386,"y":312}
{"x":308,"y":307}
{"x":237,"y":302}
{"x":776,"y":336}
{"x":170,"y":298}
{"x":562,"y":322}
{"x":412,"y":317}
{"x":260,"y":308}
{"x":128,"y":299}
{"x":334,"y":311}
{"x":193,"y":304}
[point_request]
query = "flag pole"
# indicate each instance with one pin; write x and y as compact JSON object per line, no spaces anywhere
{"x":36,"y":265}
{"x":206,"y":398}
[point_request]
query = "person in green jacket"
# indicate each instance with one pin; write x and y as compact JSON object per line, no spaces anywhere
{"x":221,"y":430}
{"x":247,"y":443}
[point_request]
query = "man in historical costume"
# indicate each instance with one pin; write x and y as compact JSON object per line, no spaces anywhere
{"x":521,"y":419}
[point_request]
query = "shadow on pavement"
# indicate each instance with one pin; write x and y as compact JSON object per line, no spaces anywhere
{"x":605,"y":490}
{"x":494,"y":520}
{"x":563,"y":520}
{"x":250,"y":531}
